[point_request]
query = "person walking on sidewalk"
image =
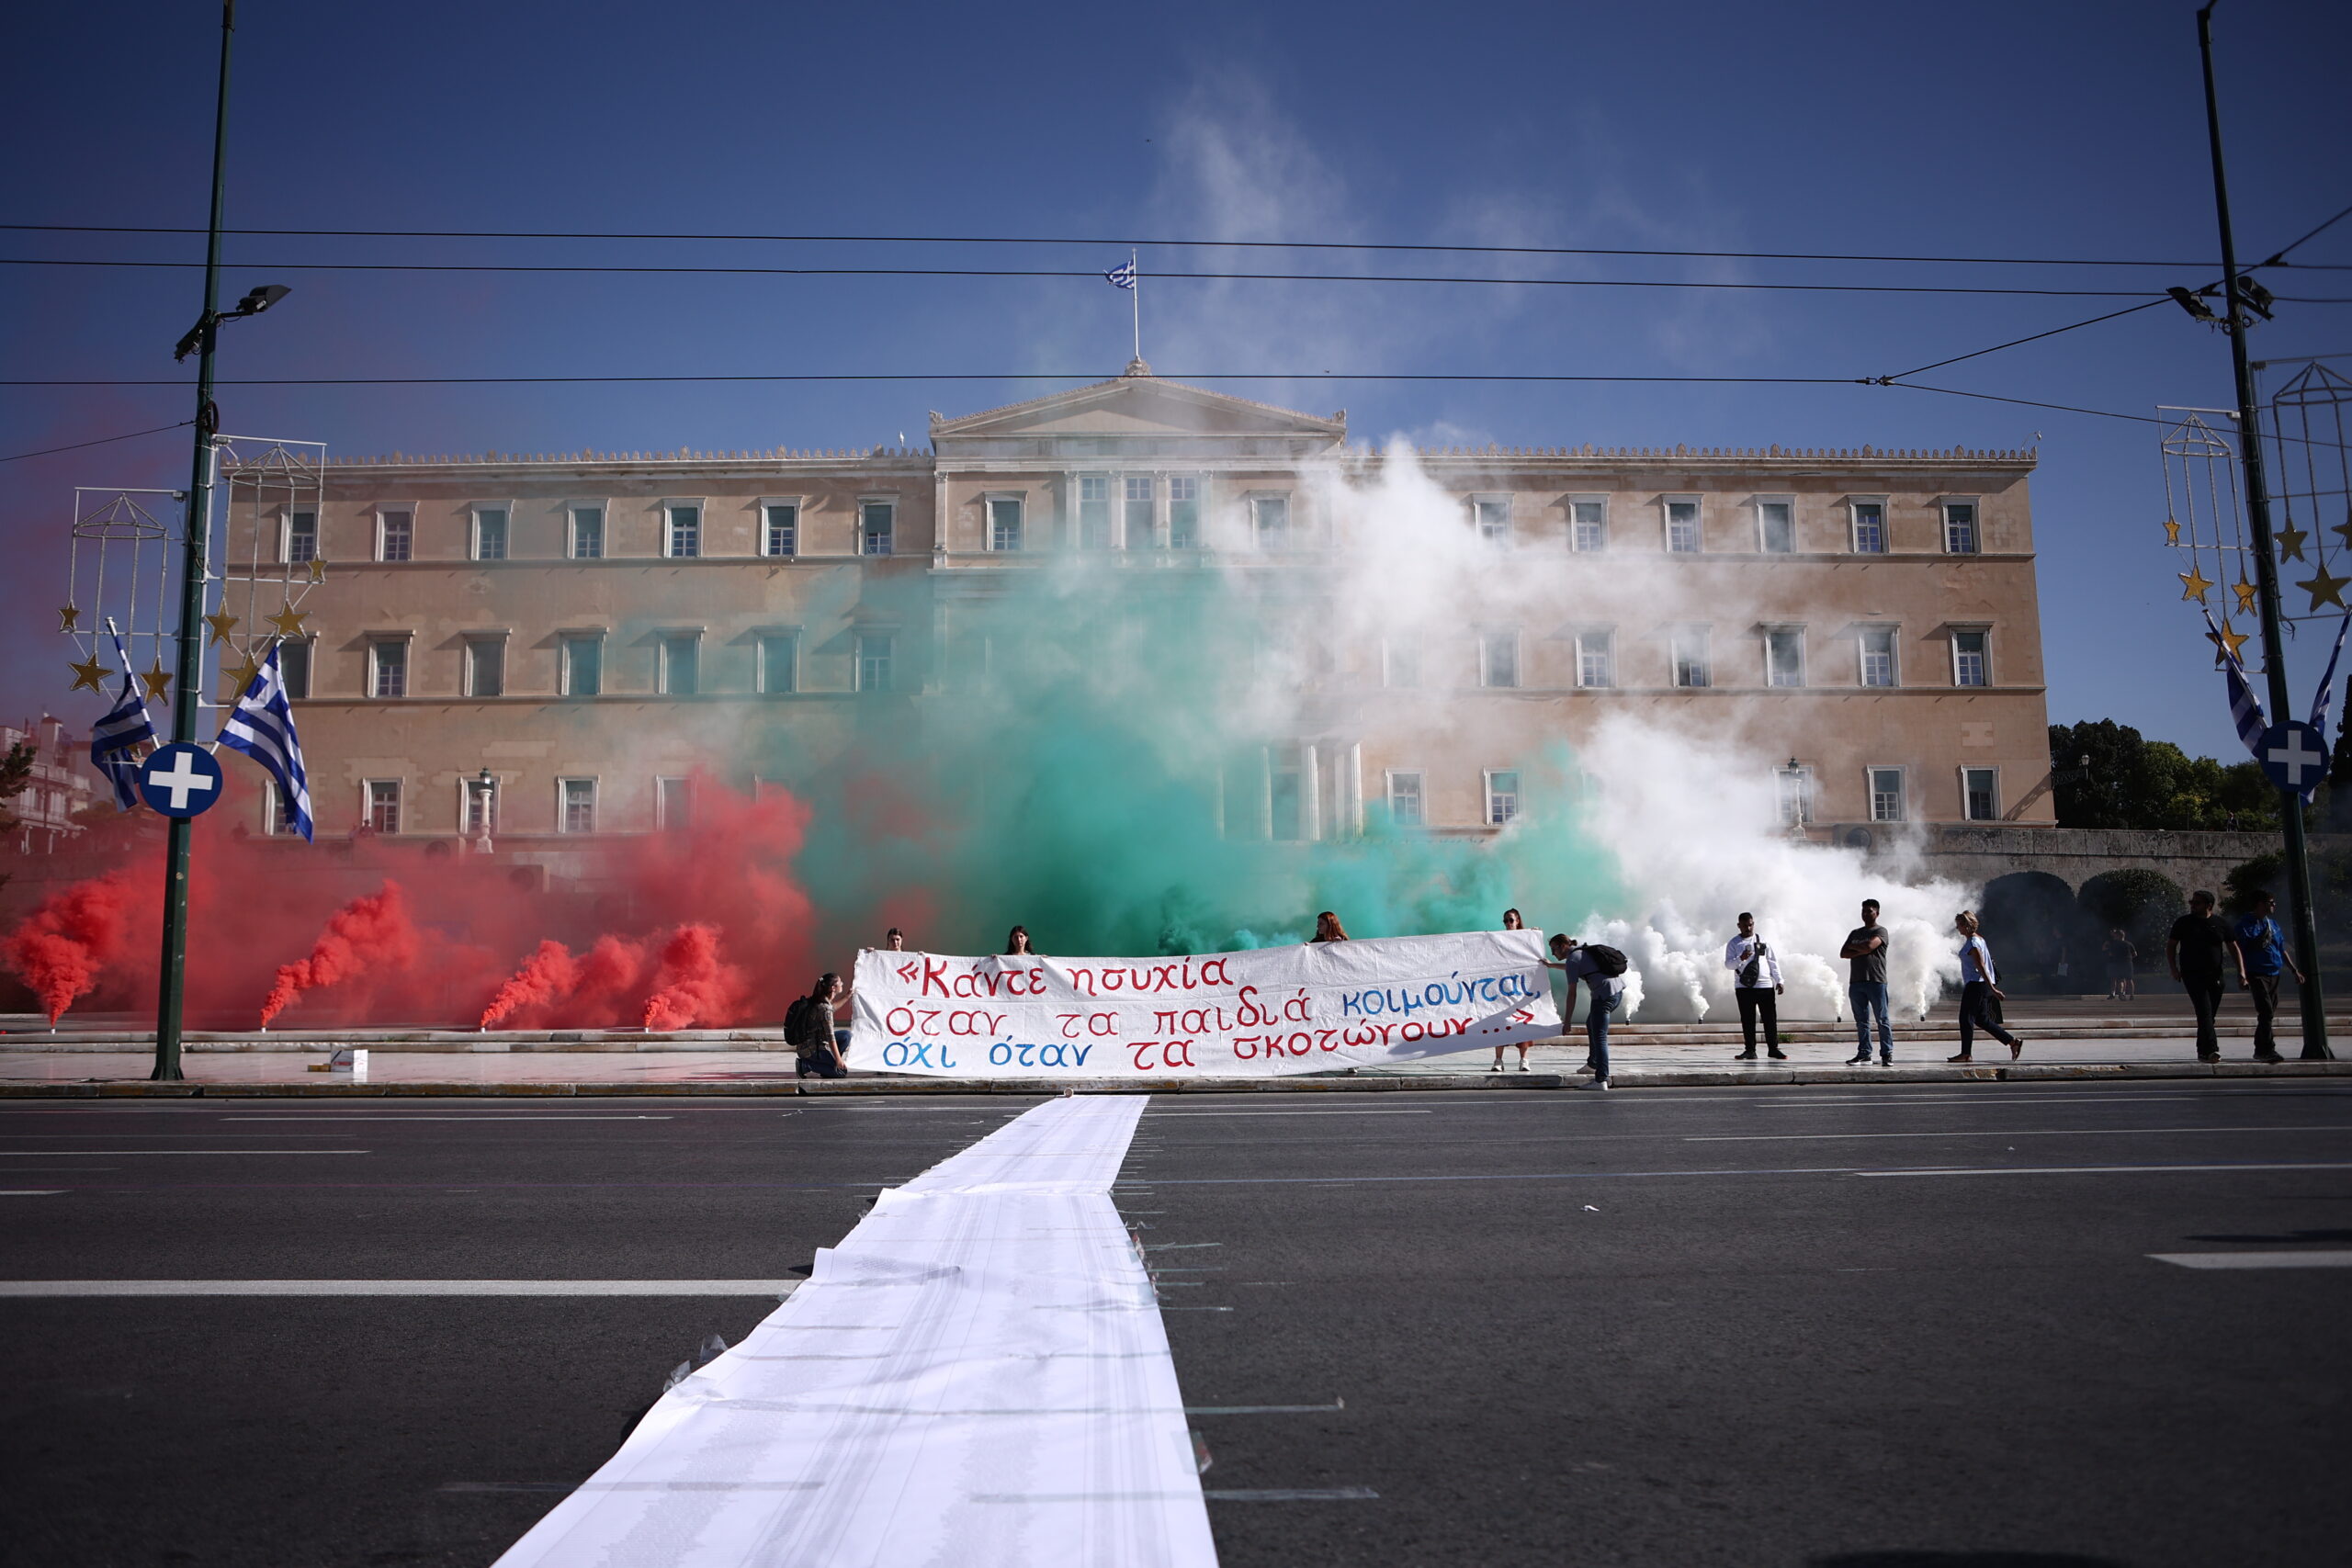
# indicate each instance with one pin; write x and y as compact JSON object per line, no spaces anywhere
{"x":2262,"y":953}
{"x":1603,"y":968}
{"x":1756,"y":982}
{"x":2120,"y":956}
{"x":1865,"y":953}
{"x":1978,"y":987}
{"x":2195,"y":951}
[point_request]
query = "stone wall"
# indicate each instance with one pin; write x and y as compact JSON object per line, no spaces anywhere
{"x":1979,"y":854}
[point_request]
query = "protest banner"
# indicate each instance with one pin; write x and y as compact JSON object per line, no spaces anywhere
{"x":1260,"y":1013}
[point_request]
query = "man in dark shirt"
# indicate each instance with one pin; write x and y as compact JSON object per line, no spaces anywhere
{"x":2262,"y":954}
{"x":2196,"y":950}
{"x":1865,"y":950}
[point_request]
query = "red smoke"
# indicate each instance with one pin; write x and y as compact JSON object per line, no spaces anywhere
{"x":546,"y":975}
{"x":364,"y":937}
{"x":68,"y":941}
{"x":695,"y":983}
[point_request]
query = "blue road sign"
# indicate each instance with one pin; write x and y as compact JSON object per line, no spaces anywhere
{"x":179,"y":780}
{"x":2294,"y":755}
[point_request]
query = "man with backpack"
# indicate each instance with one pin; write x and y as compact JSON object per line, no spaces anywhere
{"x":809,"y":1030}
{"x":1604,"y":969}
{"x":1755,"y":986}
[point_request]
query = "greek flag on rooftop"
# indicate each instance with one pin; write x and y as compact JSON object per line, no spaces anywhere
{"x":262,"y":726}
{"x":113,"y":738}
{"x":1121,"y":276}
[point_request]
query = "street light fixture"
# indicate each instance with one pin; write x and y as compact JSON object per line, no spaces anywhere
{"x":254,"y":302}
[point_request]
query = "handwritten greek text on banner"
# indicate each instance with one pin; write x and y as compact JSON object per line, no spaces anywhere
{"x":1274,"y":1011}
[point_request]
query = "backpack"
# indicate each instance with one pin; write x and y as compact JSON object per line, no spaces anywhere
{"x":1751,"y":974}
{"x":796,"y":1027}
{"x":1610,"y":962}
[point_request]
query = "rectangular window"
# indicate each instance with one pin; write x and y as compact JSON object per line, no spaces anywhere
{"x":583,"y":666}
{"x":384,"y":805}
{"x":1499,"y":659}
{"x":1004,"y":523}
{"x":1183,"y":512}
{"x":1972,"y":660}
{"x":673,"y":805}
{"x":395,"y":535}
{"x":873,"y":652}
{"x":1687,"y":650}
{"x":1776,"y":526}
{"x":780,"y":528}
{"x":578,"y":800}
{"x":1493,"y":518}
{"x":1795,"y":795}
{"x":1138,"y":522}
{"x":1093,"y":512}
{"x":681,"y":672}
{"x":779,"y":663}
{"x":682,"y":532}
{"x":390,"y":676}
{"x":1502,"y":799}
{"x":1784,"y":656}
{"x":878,"y":522}
{"x":1588,"y":525}
{"x":294,"y":667}
{"x":302,"y":536}
{"x":1980,"y":794}
{"x":587,"y":533}
{"x":1960,"y":527}
{"x":1596,"y":658}
{"x":1869,"y":527}
{"x":1404,"y":800}
{"x":1400,"y":663}
{"x":1683,"y":527}
{"x":486,"y":667}
{"x":490,"y":533}
{"x":1886,"y":795}
{"x":1878,"y":656}
{"x":1269,"y":521}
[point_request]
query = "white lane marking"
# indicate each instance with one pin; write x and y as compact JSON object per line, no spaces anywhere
{"x":1159,"y":1114}
{"x":1977,"y":1133}
{"x":1295,"y":1495}
{"x":30,"y":1191}
{"x":372,"y":1118}
{"x":117,"y":1154}
{"x":51,"y":1288}
{"x":2095,"y":1169}
{"x":2256,"y":1260}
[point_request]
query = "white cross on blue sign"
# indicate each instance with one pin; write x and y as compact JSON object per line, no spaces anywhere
{"x":179,"y":780}
{"x":2294,"y":755}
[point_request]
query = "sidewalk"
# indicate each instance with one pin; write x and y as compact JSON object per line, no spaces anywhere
{"x":753,"y":1062}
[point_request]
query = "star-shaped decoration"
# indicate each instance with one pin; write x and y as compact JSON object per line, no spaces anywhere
{"x":288,"y":621}
{"x":90,"y":673}
{"x":158,"y":680}
{"x":2344,"y":528}
{"x":2245,"y":591}
{"x":2227,"y":638}
{"x":317,"y":570}
{"x":2193,"y":583}
{"x":223,"y":623}
{"x":68,"y":618}
{"x":2290,"y":543}
{"x":2172,"y":532}
{"x":2326,"y":590}
{"x":237,"y":679}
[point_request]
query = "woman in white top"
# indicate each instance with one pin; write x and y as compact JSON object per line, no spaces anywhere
{"x":1977,"y":990}
{"x":1511,"y":922}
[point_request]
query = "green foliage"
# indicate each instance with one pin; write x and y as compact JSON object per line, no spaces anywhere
{"x":2144,"y":903}
{"x":15,"y":774}
{"x":2262,"y":873}
{"x":2154,"y":784}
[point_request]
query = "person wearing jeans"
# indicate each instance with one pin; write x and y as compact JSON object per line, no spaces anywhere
{"x":2262,"y":954}
{"x":1608,"y":991}
{"x":1865,"y":954}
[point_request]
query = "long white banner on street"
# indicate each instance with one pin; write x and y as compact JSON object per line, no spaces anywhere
{"x":1261,"y":1013}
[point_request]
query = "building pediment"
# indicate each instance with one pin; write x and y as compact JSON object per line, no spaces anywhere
{"x":1139,"y":413}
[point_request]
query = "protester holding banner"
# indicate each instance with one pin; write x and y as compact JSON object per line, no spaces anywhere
{"x":1511,"y":922}
{"x":1016,"y":944}
{"x":1329,"y":928}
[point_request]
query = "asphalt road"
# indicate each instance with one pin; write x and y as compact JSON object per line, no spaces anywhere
{"x":1664,"y":1327}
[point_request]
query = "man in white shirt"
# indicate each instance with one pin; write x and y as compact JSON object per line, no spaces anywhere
{"x":1756,"y":981}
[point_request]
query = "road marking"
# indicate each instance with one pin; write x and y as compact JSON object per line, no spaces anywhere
{"x":2256,"y":1259}
{"x":568,"y":1486}
{"x":30,"y":1191}
{"x":1156,"y":1115}
{"x":1295,"y":1495}
{"x":1265,"y":1409}
{"x":2095,"y":1169}
{"x":56,"y":1287}
{"x":372,"y":1117}
{"x":116,"y":1154}
{"x":1974,"y":1133}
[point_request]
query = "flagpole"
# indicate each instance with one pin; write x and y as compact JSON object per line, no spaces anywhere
{"x":1134,"y":299}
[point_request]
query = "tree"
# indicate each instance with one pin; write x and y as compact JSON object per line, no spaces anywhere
{"x":2152,"y":784}
{"x":2142,"y":903}
{"x":15,"y":774}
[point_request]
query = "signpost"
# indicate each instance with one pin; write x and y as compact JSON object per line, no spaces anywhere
{"x":179,"y":780}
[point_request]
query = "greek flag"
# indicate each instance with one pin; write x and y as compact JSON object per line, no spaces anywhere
{"x":262,"y":726}
{"x":113,"y":738}
{"x":2327,"y":682}
{"x":2245,"y":709}
{"x":1121,"y":276}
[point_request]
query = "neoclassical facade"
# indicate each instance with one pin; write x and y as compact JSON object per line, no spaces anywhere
{"x":565,"y":640}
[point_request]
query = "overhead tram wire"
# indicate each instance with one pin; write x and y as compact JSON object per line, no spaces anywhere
{"x":101,"y":441}
{"x":1122,"y":242}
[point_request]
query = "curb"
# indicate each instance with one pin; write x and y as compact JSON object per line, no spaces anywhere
{"x":135,"y":1088}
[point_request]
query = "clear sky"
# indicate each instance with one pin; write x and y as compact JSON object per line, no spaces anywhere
{"x":2065,"y":129}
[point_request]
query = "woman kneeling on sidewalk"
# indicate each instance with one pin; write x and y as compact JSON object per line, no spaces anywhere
{"x":1977,"y":992}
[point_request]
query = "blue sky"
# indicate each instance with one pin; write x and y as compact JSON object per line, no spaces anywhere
{"x":2068,"y":129}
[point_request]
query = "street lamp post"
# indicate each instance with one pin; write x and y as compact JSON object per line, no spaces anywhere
{"x":2242,"y":297}
{"x":484,"y":789}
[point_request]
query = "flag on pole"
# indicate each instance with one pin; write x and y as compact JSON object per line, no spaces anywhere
{"x":1121,"y":276}
{"x":2245,"y":709}
{"x":262,"y":726}
{"x":125,"y":727}
{"x":2327,"y":682}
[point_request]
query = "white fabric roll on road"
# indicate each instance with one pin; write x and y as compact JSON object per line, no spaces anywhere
{"x":977,"y":1374}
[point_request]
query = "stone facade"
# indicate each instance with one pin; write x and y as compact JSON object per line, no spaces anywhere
{"x":583,"y":626}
